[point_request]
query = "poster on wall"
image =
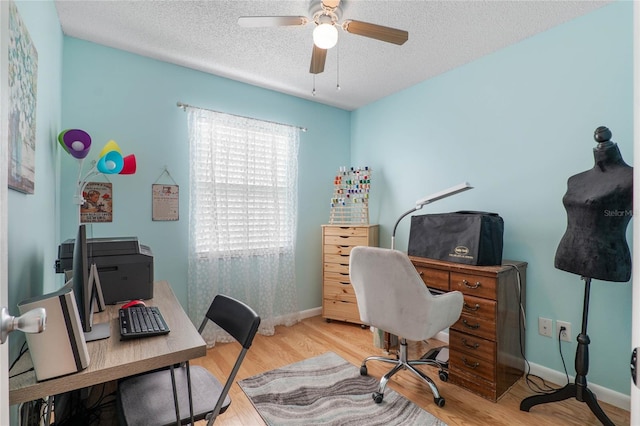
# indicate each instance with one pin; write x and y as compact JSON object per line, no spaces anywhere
{"x":98,"y":203}
{"x":23,"y":77}
{"x":165,"y":201}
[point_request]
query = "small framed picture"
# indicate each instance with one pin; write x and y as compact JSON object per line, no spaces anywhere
{"x":166,"y":200}
{"x":97,"y":205}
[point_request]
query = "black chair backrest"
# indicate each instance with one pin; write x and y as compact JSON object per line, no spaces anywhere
{"x":235,"y":317}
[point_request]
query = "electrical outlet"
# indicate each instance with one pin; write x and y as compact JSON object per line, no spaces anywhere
{"x":545,"y":326}
{"x":565,"y":335}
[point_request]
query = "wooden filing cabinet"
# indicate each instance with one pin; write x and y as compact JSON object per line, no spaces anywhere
{"x":487,"y":342}
{"x":338,"y":298}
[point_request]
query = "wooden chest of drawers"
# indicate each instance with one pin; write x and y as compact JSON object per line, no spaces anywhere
{"x":487,"y":342}
{"x":338,"y":297}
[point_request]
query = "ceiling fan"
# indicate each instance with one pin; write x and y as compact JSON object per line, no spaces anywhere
{"x":325,"y":16}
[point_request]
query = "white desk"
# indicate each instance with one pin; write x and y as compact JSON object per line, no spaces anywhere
{"x":112,"y":359}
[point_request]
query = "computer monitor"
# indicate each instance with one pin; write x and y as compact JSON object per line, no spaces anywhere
{"x":86,"y":288}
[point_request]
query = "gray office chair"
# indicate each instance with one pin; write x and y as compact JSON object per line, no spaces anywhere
{"x":392,"y":297}
{"x":159,"y":397}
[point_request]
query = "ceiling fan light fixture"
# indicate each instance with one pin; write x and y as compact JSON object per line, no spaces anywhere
{"x":325,"y":36}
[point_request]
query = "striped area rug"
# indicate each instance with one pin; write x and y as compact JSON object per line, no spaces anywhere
{"x":327,"y":390}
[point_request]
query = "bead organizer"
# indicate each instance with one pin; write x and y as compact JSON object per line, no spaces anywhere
{"x":350,"y":201}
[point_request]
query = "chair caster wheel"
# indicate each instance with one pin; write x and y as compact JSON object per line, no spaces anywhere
{"x":444,"y":376}
{"x":377,"y":397}
{"x":363,"y":370}
{"x":439,"y":401}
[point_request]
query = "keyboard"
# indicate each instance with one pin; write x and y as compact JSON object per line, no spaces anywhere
{"x":141,"y":321}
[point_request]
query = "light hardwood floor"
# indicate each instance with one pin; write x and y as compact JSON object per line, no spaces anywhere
{"x":314,"y":336}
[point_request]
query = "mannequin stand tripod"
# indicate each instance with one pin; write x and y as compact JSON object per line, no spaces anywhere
{"x":578,"y":389}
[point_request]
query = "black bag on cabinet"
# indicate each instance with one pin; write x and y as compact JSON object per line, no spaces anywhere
{"x":469,"y":237}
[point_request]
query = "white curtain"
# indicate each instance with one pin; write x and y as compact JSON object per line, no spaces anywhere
{"x":242,"y":217}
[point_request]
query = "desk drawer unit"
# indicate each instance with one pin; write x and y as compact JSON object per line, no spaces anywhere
{"x":485,"y":356}
{"x":338,"y":298}
{"x":434,"y":278}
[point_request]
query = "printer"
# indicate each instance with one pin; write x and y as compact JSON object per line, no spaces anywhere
{"x":125,"y":267}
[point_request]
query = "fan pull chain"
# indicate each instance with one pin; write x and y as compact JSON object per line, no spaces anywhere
{"x":338,"y":70}
{"x":313,"y":92}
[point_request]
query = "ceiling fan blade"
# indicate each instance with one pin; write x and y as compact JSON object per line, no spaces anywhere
{"x":379,"y":32}
{"x":330,"y":4}
{"x":271,"y":21}
{"x":318,"y":58}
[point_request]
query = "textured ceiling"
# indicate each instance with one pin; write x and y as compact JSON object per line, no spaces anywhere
{"x":204,"y":35}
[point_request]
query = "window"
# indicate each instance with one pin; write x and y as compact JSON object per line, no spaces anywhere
{"x":243,"y":185}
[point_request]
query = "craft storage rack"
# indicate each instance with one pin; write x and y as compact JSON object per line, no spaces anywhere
{"x":350,"y":201}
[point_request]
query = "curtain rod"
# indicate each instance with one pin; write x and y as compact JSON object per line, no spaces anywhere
{"x":185,"y":106}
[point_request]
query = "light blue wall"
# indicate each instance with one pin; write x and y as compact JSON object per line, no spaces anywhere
{"x":132,"y":99}
{"x":517,"y":124}
{"x":33,"y":219}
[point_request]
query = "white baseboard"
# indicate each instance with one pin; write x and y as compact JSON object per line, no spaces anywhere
{"x":315,"y":312}
{"x":603,"y":394}
{"x":443,"y":336}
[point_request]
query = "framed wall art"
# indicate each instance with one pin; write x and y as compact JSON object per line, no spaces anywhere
{"x":23,"y":63}
{"x":97,"y":206}
{"x":166,"y":201}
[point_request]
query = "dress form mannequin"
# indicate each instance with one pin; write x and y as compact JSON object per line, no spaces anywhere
{"x":599,"y":204}
{"x":599,"y":207}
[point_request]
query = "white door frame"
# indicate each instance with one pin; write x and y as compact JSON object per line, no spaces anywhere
{"x":4,"y":161}
{"x":635,"y":309}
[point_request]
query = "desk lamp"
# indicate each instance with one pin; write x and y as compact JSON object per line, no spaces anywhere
{"x":428,"y":200}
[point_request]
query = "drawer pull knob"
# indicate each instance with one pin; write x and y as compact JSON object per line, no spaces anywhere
{"x":473,"y":327}
{"x":421,"y":273}
{"x":344,"y":273}
{"x":474,"y":346}
{"x":470,"y":365}
{"x":342,"y":282}
{"x":344,"y":264}
{"x":466,"y":284}
{"x":471,"y":308}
